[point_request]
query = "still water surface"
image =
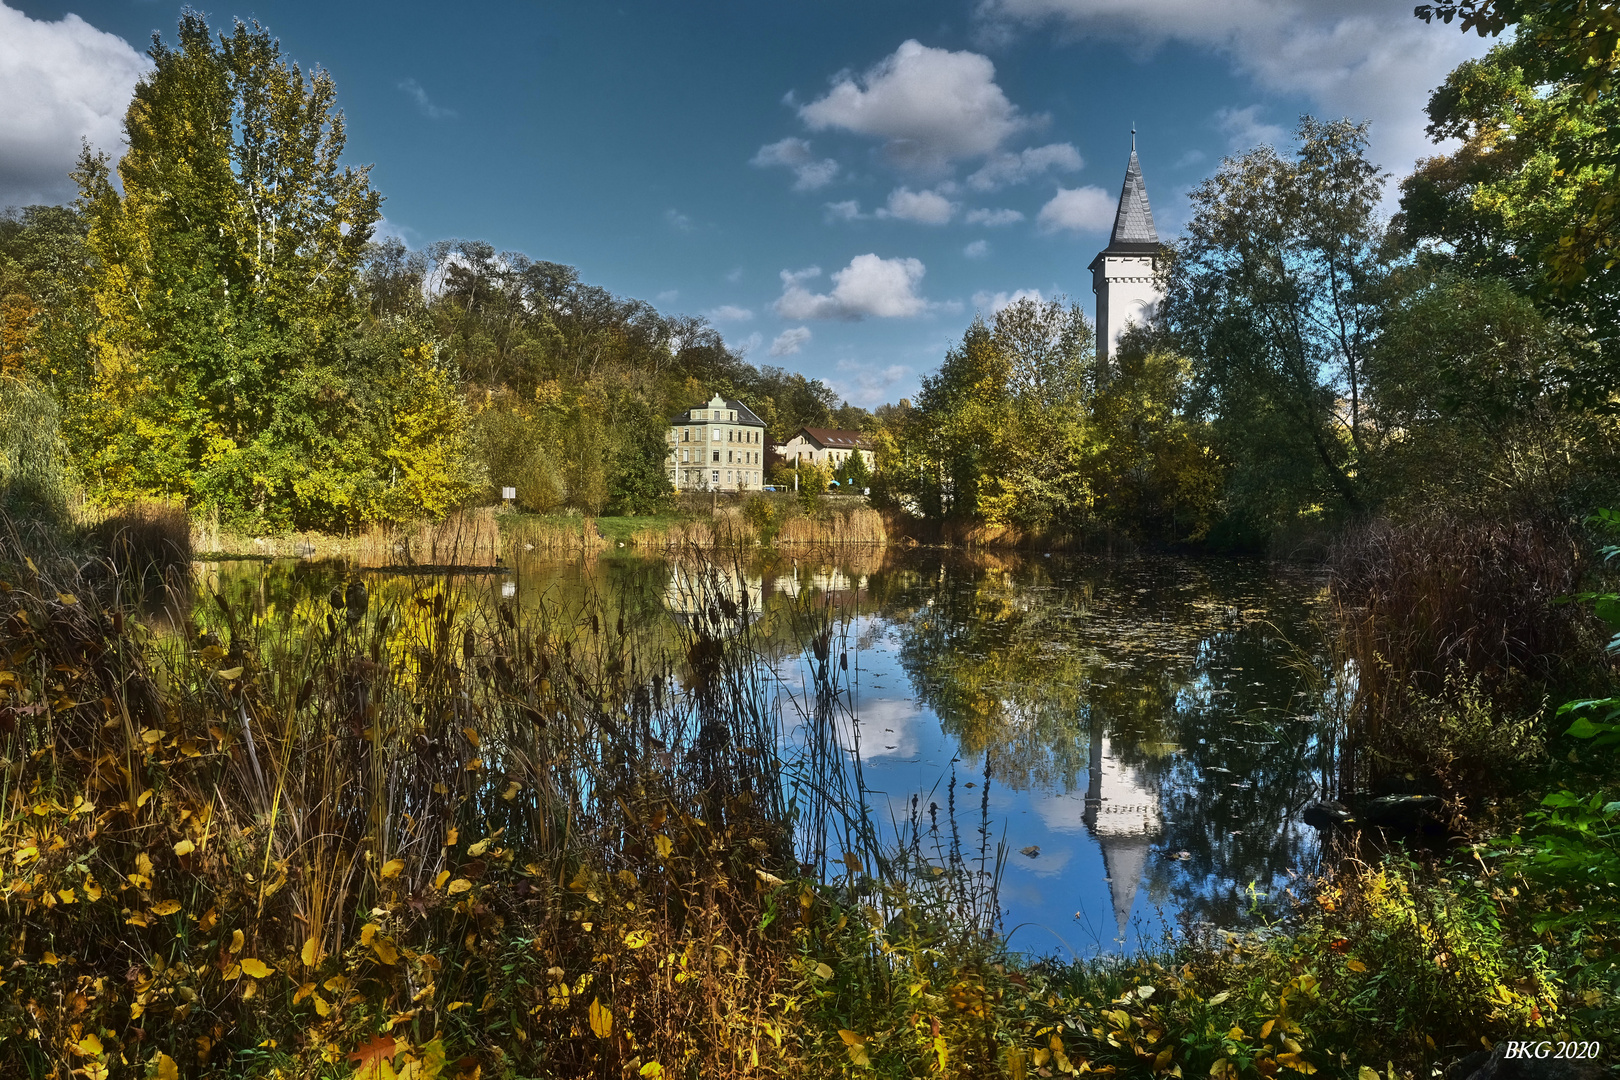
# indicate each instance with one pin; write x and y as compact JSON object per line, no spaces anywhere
{"x":1140,"y":734}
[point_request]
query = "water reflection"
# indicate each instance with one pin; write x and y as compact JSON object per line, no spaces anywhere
{"x":1144,"y":730}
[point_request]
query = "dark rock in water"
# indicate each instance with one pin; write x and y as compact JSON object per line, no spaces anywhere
{"x":1397,"y":813}
{"x":335,"y":598}
{"x":1520,"y":1060}
{"x":1327,"y":815}
{"x":355,"y":599}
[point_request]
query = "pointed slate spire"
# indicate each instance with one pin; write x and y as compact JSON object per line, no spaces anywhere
{"x":1133,"y":224}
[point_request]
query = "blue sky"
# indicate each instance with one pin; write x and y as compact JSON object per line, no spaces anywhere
{"x":839,"y":186}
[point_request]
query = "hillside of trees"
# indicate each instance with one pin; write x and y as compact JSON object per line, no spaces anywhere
{"x":220,"y":327}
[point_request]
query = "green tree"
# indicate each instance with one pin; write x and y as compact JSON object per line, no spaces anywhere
{"x":1274,"y":296}
{"x":224,"y":284}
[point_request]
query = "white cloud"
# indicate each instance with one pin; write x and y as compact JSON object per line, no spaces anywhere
{"x":923,"y":207}
{"x":750,"y":343}
{"x":977,"y":250}
{"x":1082,"y":209}
{"x":990,"y":303}
{"x":678,"y":221}
{"x":734,"y":275}
{"x":1190,"y":157}
{"x":60,"y":82}
{"x":729,"y":313}
{"x":982,"y":216}
{"x":1245,"y":130}
{"x":1004,"y":169}
{"x":668,"y":296}
{"x":871,"y":387}
{"x":424,"y":104}
{"x":848,"y":210}
{"x":931,"y":106}
{"x":869,"y":285}
{"x":790,"y":341}
{"x":794,"y":153}
{"x":1366,"y":59}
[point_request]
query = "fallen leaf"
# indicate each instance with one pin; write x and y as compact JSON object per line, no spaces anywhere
{"x":392,"y":868}
{"x":184,"y":847}
{"x":256,"y":968}
{"x":165,"y":1068}
{"x":460,"y":885}
{"x":166,"y":907}
{"x":1356,"y":965}
{"x":601,"y":1019}
{"x":237,"y":941}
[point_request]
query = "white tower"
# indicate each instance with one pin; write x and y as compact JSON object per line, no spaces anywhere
{"x":1122,"y":272}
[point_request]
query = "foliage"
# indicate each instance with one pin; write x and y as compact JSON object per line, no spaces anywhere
{"x":1273,"y":296}
{"x":32,"y":466}
{"x":1475,"y":406}
{"x":1552,"y":93}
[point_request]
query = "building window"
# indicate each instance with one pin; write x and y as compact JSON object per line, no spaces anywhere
{"x":717,"y":458}
{"x":717,"y":476}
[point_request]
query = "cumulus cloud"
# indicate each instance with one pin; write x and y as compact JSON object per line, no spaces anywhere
{"x":982,"y":216}
{"x":848,"y":210}
{"x":1361,"y":58}
{"x":1082,"y":209}
{"x":1244,"y":129}
{"x":992,"y":302}
{"x":868,"y":286}
{"x":793,"y":153}
{"x":729,"y":313}
{"x":790,"y":341}
{"x":930,"y":106}
{"x":923,"y":207}
{"x":977,"y":250}
{"x":1008,"y":168}
{"x":424,"y":104}
{"x":60,"y":82}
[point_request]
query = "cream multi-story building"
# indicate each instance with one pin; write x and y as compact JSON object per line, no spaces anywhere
{"x":716,"y":447}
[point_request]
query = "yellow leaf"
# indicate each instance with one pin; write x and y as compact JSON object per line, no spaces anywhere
{"x":166,"y":907}
{"x":95,"y":1070}
{"x":142,"y":799}
{"x":165,"y":1068}
{"x":451,"y":836}
{"x":322,"y":1007}
{"x":392,"y":868}
{"x":511,"y":793}
{"x":769,"y":879}
{"x":664,"y":845}
{"x":472,"y":736}
{"x":479,"y":848}
{"x":601,"y":1019}
{"x":1296,"y":1062}
{"x":385,"y":950}
{"x":303,"y":992}
{"x":653,"y":1070}
{"x":1366,"y":1072}
{"x":49,"y":958}
{"x":1265,"y":1029}
{"x":256,"y":968}
{"x":231,"y":673}
{"x":68,"y":896}
{"x":92,"y":889}
{"x":310,"y":954}
{"x":444,"y":876}
{"x":635,"y":939}
{"x":143,"y":863}
{"x":151,"y":737}
{"x":823,"y":971}
{"x":184,"y":847}
{"x":460,"y":885}
{"x":89,"y":1046}
{"x":67,"y":598}
{"x":1235,"y":1034}
{"x":850,"y":1038}
{"x":237,"y":940}
{"x":367,"y":932}
{"x":137,"y":918}
{"x":1357,"y":966}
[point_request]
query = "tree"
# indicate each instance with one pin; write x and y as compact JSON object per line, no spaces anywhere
{"x":1569,"y":52}
{"x":1273,"y":295}
{"x":1525,"y":196}
{"x":224,"y":282}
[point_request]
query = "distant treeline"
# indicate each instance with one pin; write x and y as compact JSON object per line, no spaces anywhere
{"x":219,"y":327}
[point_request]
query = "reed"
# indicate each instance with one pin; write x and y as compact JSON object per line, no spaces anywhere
{"x":1446,"y":614}
{"x":144,"y":533}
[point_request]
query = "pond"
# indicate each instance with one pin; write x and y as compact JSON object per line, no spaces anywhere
{"x":1137,"y":736}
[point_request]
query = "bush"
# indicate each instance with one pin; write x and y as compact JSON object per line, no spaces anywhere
{"x":32,"y":457}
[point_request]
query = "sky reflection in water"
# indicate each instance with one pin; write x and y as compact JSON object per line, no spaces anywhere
{"x":1150,"y":726}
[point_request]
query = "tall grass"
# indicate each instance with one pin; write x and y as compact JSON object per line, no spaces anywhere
{"x":1458,"y":619}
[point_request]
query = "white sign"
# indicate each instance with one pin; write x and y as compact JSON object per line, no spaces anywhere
{"x":508,"y":493}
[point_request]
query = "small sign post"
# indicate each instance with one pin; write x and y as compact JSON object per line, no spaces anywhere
{"x":508,"y":493}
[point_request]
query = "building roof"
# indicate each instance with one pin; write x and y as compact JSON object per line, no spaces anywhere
{"x":1134,"y":233}
{"x":745,"y":415}
{"x":836,"y":439}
